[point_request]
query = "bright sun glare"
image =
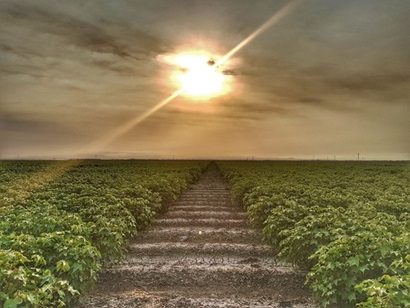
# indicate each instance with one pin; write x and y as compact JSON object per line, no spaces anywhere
{"x":199,"y":77}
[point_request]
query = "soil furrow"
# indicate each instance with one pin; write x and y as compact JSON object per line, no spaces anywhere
{"x":201,"y":253}
{"x":201,"y":235}
{"x":124,"y":278}
{"x":200,"y":208}
{"x":172,"y":248}
{"x":206,"y":222}
{"x":224,"y":297}
{"x":219,"y":259}
{"x":204,"y":202}
{"x":207,"y":214}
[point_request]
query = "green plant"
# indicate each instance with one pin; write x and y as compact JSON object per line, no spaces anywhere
{"x":389,"y":290}
{"x":349,"y":260}
{"x":310,"y":233}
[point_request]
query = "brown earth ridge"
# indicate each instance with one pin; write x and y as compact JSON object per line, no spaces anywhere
{"x":201,"y":253}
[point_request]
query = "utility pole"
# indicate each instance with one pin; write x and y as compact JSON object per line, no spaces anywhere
{"x":358,"y":156}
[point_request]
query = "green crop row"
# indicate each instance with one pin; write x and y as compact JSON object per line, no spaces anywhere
{"x":348,"y":223}
{"x":61,"y":221}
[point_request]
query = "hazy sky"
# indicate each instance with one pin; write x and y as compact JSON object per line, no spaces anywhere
{"x":330,"y":78}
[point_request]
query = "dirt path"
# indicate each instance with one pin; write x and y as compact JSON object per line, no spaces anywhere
{"x":201,"y":253}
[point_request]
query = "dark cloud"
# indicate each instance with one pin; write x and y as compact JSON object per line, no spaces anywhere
{"x":121,"y":68}
{"x":324,"y":104}
{"x":19,"y":131}
{"x":365,"y":82}
{"x":324,"y":86}
{"x":6,"y":48}
{"x":371,"y":85}
{"x":21,"y":51}
{"x":255,"y":111}
{"x":92,"y":36}
{"x":23,"y":72}
{"x":20,"y":122}
{"x":229,"y":73}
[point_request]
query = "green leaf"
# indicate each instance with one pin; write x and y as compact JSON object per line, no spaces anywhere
{"x":354,"y":261}
{"x":76,"y":267}
{"x":12,"y":302}
{"x":384,"y":250}
{"x":352,"y":297}
{"x":63,"y":265}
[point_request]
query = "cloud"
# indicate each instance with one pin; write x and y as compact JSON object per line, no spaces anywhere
{"x":253,"y":110}
{"x":371,"y":82}
{"x":20,"y":122}
{"x":121,"y":68}
{"x":73,"y":70}
{"x":322,"y":86}
{"x":319,"y":103}
{"x":24,"y":132}
{"x":101,"y":36}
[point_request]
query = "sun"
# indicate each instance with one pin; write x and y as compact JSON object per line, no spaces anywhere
{"x":198,"y":75}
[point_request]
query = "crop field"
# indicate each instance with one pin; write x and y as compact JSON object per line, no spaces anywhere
{"x":347,"y":224}
{"x":60,"y":221}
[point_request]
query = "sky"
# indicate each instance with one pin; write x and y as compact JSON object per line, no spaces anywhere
{"x":328,"y":80}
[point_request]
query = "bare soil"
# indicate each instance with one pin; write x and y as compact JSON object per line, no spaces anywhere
{"x":201,"y":253}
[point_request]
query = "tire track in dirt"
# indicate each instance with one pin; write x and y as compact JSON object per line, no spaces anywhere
{"x":201,"y":253}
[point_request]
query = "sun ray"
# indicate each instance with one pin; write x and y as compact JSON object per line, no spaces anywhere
{"x":121,"y":130}
{"x":269,"y":23}
{"x":187,"y":86}
{"x":23,"y":188}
